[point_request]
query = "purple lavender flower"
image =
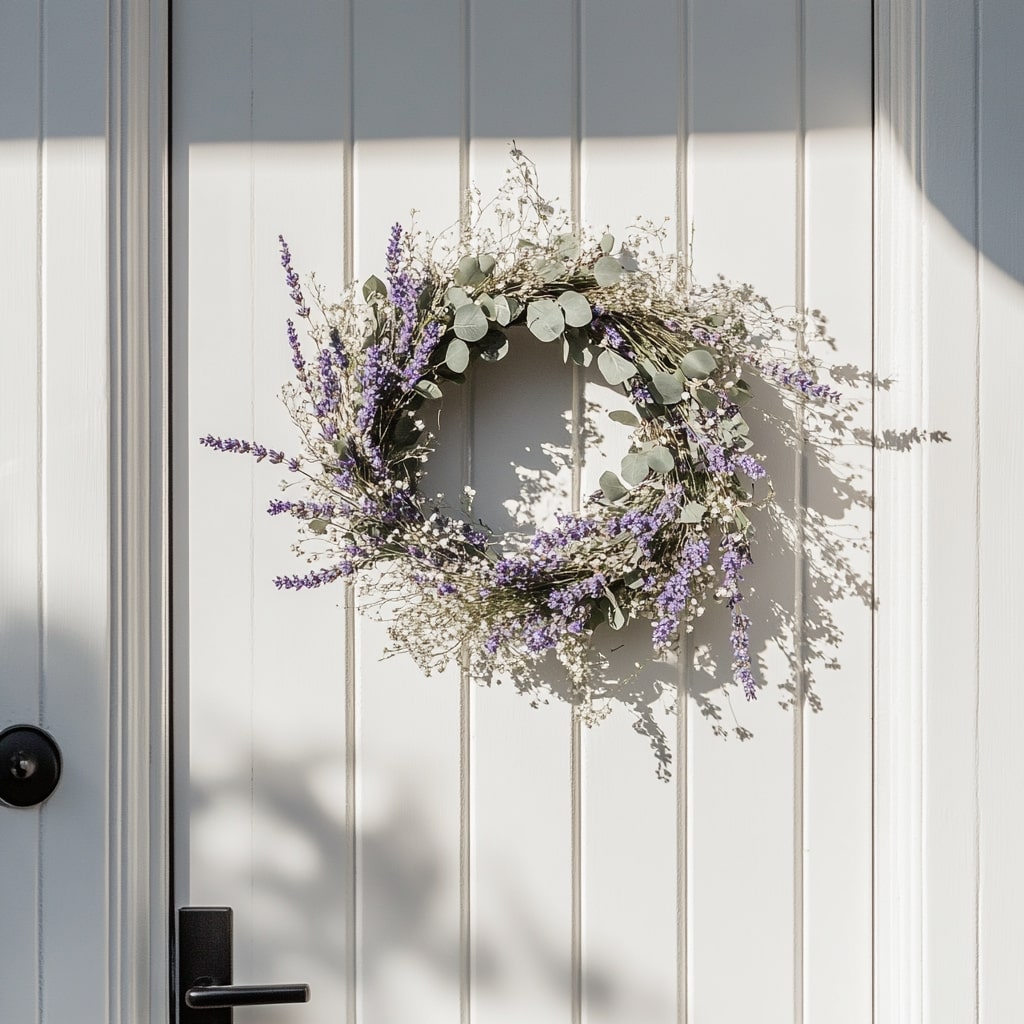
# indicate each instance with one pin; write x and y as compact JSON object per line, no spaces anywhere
{"x":303,"y":509}
{"x":678,"y":590}
{"x":376,"y":378}
{"x":796,"y":379}
{"x":404,"y":295}
{"x":716,"y":459}
{"x":340,"y":356}
{"x":297,"y":358}
{"x":735,"y":558}
{"x":330,"y":386}
{"x":750,"y":466}
{"x":417,"y":366}
{"x":292,"y":279}
{"x":316,"y":578}
{"x":235,"y":446}
{"x":613,"y":340}
{"x":638,"y":390}
{"x":571,"y":527}
{"x":394,"y":251}
{"x":741,"y":670}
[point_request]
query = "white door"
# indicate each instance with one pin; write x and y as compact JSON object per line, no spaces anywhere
{"x":425,"y":849}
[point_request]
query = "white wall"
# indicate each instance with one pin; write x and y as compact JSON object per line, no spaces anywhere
{"x":464,"y":856}
{"x":950,"y":298}
{"x":426,"y":849}
{"x":55,"y":525}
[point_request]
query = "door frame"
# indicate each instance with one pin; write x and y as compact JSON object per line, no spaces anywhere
{"x":140,"y":865}
{"x":141,"y":923}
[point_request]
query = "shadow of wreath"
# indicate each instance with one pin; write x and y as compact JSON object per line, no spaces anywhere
{"x":812,"y":559}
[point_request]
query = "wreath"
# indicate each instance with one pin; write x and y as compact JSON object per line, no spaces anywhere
{"x":661,"y":538}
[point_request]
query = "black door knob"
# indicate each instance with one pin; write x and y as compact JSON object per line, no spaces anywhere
{"x":30,"y":765}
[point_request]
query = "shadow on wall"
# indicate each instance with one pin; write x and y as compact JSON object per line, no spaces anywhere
{"x":796,"y":641}
{"x":720,"y":88}
{"x":407,"y":893}
{"x":621,"y":61}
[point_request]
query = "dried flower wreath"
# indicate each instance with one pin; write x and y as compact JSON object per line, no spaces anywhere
{"x":658,"y":539}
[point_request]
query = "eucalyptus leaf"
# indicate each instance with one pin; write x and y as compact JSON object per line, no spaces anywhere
{"x":567,"y":246}
{"x":665,"y":388}
{"x":467,"y":270}
{"x":693,"y":512}
{"x":607,"y":270}
{"x":741,"y":521}
{"x":456,"y":297}
{"x":502,"y":310}
{"x":611,"y":486}
{"x":545,"y":320}
{"x":406,"y":433}
{"x":634,"y":468}
{"x":634,"y":579}
{"x":428,"y":389}
{"x":716,"y":320}
{"x":494,"y":347}
{"x":625,"y":417}
{"x":317,"y":526}
{"x":660,"y":459}
{"x":607,"y":243}
{"x":550,"y":270}
{"x":457,"y":355}
{"x":707,"y":398}
{"x":486,"y":264}
{"x":576,"y":349}
{"x":576,"y":309}
{"x":698,"y":364}
{"x":448,"y":374}
{"x":488,"y":305}
{"x":374,"y":287}
{"x":616,"y":617}
{"x":614,"y":368}
{"x":470,"y":322}
{"x":740,"y":393}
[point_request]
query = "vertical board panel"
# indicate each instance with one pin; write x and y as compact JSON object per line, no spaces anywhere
{"x":408,"y":72}
{"x":523,"y":964}
{"x":75,"y":519}
{"x":744,"y":813}
{"x":257,"y":157}
{"x":899,"y":503}
{"x":631,"y":66}
{"x":20,"y":504}
{"x":837,"y":592}
{"x":950,"y":698}
{"x":1001,"y":553}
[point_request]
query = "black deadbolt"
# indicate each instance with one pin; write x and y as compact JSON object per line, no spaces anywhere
{"x":29,"y":765}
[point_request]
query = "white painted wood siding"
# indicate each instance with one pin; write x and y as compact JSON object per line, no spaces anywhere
{"x":427,"y":849}
{"x":55,"y":553}
{"x":950,"y":306}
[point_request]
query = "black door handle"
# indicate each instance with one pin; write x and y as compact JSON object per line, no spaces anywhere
{"x":219,"y":997}
{"x":206,"y":994}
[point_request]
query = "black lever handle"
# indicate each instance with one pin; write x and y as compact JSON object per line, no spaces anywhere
{"x":217,"y":997}
{"x":206,"y":994}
